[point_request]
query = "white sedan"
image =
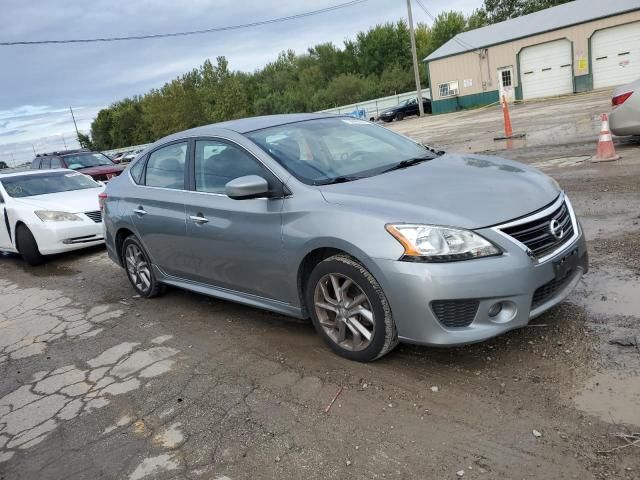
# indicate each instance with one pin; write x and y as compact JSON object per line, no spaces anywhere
{"x":44,"y":212}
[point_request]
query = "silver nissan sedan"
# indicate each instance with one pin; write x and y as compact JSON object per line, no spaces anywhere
{"x":376,"y":238}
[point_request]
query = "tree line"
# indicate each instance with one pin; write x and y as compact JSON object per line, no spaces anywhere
{"x":375,"y":63}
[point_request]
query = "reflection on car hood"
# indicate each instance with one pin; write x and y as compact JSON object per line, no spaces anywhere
{"x":469,"y":191}
{"x":75,"y":201}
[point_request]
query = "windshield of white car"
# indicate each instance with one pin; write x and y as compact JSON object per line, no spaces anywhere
{"x":319,"y":151}
{"x":22,"y":186}
{"x":86,"y":160}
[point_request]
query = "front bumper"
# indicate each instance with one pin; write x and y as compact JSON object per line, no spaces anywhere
{"x":513,"y":277}
{"x":59,"y":237}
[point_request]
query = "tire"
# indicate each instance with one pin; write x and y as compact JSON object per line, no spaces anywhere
{"x":28,"y":247}
{"x":399,"y":116}
{"x":326,"y":318}
{"x":139,"y":268}
{"x":387,"y":120}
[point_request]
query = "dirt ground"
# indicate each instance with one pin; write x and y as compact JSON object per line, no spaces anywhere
{"x":96,"y":383}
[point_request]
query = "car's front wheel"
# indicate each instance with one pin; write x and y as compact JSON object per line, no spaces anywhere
{"x":139,"y":268}
{"x":349,"y":309}
{"x":28,"y":246}
{"x":399,"y":116}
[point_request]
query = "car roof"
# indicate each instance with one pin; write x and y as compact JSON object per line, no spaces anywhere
{"x":246,"y":125}
{"x":34,"y":172}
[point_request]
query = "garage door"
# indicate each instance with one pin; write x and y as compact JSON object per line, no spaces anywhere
{"x":546,"y":69}
{"x":615,"y":55}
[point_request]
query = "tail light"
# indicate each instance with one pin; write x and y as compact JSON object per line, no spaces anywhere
{"x":102,"y":198}
{"x":620,"y":99}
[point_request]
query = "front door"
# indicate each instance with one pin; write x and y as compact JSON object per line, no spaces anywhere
{"x":157,"y":208}
{"x":506,"y":83}
{"x":235,"y":244}
{"x":5,"y":239}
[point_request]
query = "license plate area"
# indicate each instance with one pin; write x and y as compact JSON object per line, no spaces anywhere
{"x":565,"y":265}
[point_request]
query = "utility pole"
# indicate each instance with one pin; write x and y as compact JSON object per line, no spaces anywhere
{"x":13,"y":160}
{"x":74,"y":122}
{"x":414,"y":55}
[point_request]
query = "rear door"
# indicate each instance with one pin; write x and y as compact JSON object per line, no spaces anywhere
{"x":236,"y":244}
{"x":157,"y":207}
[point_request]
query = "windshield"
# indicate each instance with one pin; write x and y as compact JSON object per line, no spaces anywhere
{"x":45,"y":183}
{"x":323,"y":150}
{"x":85,"y":160}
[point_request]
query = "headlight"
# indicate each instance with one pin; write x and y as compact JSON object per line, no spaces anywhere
{"x":429,"y":243}
{"x":49,"y":216}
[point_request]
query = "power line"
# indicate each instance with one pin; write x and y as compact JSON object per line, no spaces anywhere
{"x":462,"y":43}
{"x":194,"y":32}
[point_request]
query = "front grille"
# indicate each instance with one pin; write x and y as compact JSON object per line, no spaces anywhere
{"x":95,"y":216}
{"x":549,"y":289}
{"x":455,"y":313}
{"x":536,"y":234}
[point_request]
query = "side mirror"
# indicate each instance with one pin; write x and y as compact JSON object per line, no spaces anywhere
{"x":250,"y":186}
{"x":100,"y":182}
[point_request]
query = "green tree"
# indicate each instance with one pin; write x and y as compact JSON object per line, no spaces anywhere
{"x":446,"y":26}
{"x":85,"y":141}
{"x":477,"y":19}
{"x":501,"y":10}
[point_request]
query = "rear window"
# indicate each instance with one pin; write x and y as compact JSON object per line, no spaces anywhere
{"x":55,"y":182}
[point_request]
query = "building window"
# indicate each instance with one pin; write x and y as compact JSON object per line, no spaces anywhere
{"x":449,"y":89}
{"x":506,"y":78}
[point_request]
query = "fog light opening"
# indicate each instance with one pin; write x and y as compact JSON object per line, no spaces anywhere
{"x":495,"y":309}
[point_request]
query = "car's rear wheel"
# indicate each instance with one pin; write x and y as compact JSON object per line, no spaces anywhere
{"x":349,"y":309}
{"x":139,"y":268}
{"x":28,"y":246}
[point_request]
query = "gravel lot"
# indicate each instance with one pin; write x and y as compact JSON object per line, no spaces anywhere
{"x":95,"y":383}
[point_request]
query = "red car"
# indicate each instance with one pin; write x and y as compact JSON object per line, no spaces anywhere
{"x":97,"y":165}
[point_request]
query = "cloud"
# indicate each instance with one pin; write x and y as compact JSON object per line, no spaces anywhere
{"x":10,"y":133}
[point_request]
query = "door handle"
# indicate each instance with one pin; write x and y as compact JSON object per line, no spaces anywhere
{"x":140,"y":211}
{"x":198,"y":218}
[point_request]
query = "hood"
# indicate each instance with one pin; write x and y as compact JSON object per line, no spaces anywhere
{"x":75,"y":201}
{"x":468,"y":191}
{"x":103,"y":169}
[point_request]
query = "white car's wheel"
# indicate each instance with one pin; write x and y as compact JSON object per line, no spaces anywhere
{"x":28,"y":247}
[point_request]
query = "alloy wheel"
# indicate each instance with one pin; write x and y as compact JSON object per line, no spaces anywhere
{"x":344,"y":312}
{"x":138,"y":268}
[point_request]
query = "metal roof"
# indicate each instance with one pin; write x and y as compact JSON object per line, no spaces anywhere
{"x":565,"y":15}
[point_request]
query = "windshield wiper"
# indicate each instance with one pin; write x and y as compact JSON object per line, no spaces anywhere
{"x":407,"y":163}
{"x":340,"y":179}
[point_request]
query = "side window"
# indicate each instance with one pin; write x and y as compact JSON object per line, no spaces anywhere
{"x":136,"y":170}
{"x":36,"y":163}
{"x":56,"y":163}
{"x":46,"y":163}
{"x":165,"y":167}
{"x":217,"y":163}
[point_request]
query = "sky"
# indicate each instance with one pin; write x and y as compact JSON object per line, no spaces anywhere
{"x":38,"y":83}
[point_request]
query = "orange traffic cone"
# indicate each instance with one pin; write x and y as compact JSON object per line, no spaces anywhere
{"x":606,"y":152}
{"x":508,"y":130}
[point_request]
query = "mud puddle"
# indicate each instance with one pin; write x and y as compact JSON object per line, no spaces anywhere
{"x":613,"y":397}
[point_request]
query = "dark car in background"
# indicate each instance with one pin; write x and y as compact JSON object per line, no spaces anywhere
{"x":405,"y":109}
{"x":97,"y":165}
